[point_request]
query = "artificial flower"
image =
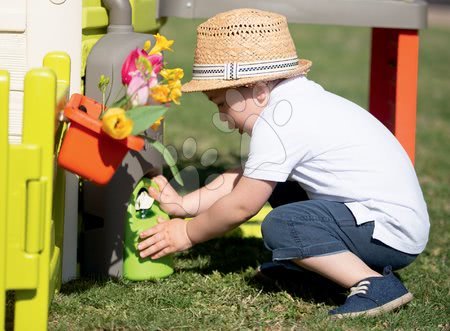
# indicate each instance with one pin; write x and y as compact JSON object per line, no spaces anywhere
{"x":175,"y":95}
{"x":147,"y":45}
{"x":144,"y":96}
{"x":162,"y":44}
{"x":140,"y":60}
{"x":116,"y":124}
{"x":160,"y":93}
{"x":174,"y":84}
{"x":129,"y":65}
{"x":172,"y":74}
{"x":157,"y":62}
{"x":155,"y":126}
{"x":138,"y":90}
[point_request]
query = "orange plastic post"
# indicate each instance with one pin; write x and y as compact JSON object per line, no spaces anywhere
{"x":393,"y":82}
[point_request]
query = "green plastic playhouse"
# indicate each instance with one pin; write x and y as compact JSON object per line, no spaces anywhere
{"x":32,"y":190}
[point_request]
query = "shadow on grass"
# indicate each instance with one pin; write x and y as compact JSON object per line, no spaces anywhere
{"x":85,"y":283}
{"x":234,"y":254}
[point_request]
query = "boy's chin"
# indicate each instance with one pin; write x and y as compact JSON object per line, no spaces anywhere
{"x":241,"y":131}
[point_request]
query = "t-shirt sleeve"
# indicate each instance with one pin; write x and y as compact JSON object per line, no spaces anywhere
{"x":270,"y":156}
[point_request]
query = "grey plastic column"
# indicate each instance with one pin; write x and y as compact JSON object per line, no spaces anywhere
{"x":119,"y":12}
{"x":104,"y":207}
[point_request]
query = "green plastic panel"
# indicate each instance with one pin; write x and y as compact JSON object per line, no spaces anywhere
{"x":4,"y":106}
{"x":144,"y":16}
{"x":31,"y":233}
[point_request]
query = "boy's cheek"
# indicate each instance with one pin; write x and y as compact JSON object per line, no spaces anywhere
{"x":235,"y":100}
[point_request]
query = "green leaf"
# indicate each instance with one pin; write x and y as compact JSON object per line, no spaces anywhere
{"x":167,"y":157}
{"x":119,"y":103}
{"x":143,"y":117}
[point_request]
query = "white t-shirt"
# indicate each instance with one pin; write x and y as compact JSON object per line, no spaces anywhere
{"x":338,"y":151}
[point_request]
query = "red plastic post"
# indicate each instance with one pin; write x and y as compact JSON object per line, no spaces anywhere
{"x":393,"y":82}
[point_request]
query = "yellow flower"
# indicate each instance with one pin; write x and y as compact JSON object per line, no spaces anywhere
{"x":175,"y":95}
{"x":174,"y":84}
{"x":116,"y":124}
{"x":172,"y":74}
{"x":155,"y":126}
{"x":162,"y":44}
{"x":160,"y":93}
{"x":147,"y":45}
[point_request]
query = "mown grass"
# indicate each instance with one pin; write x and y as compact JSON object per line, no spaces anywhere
{"x":214,"y":286}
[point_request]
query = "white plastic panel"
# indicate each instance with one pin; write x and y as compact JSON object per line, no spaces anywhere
{"x":13,"y":57}
{"x":55,"y":26}
{"x":13,"y":15}
{"x":29,"y":29}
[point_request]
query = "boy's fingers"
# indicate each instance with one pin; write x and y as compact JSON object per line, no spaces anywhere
{"x":162,"y":253}
{"x":161,"y":181}
{"x":151,"y":231}
{"x":150,"y":241}
{"x":154,"y":193}
{"x":152,"y":250}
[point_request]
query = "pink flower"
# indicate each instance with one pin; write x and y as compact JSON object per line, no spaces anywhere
{"x":129,"y":65}
{"x":138,"y":88}
{"x":157,"y":62}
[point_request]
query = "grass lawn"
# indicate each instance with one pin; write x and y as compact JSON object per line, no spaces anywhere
{"x":214,"y":286}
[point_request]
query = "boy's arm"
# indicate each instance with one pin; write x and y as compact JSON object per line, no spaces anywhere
{"x":200,"y":200}
{"x":247,"y":198}
{"x":197,"y":201}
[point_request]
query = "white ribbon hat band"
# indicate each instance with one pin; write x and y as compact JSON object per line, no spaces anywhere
{"x":236,"y":70}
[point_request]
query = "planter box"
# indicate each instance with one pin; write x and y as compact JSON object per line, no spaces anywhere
{"x":86,"y":150}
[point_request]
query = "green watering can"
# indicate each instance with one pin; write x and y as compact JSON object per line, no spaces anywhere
{"x":142,"y":213}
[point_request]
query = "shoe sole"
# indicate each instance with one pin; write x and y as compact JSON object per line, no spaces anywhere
{"x":391,"y":305}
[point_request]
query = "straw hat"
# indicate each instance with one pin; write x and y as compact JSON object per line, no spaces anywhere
{"x":241,"y":47}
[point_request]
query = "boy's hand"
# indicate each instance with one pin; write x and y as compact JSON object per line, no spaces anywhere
{"x":167,"y":237}
{"x":169,"y":200}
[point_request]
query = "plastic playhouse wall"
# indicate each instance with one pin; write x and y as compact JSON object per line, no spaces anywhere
{"x":31,"y":28}
{"x":32,"y":197}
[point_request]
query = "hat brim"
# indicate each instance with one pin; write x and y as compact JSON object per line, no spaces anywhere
{"x":216,"y":84}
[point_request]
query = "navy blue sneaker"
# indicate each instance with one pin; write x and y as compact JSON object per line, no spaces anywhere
{"x":373,"y":296}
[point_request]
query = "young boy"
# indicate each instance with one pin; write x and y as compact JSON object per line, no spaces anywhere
{"x":347,"y":202}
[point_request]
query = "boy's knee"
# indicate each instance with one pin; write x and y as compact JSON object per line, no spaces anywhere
{"x":272,"y":228}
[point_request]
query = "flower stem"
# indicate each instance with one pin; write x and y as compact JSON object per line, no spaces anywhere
{"x":167,"y":157}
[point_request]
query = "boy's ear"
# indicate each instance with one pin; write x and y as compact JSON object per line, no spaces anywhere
{"x":261,"y":94}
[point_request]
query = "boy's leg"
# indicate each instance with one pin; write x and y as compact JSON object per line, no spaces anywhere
{"x":345,"y":269}
{"x":323,"y":237}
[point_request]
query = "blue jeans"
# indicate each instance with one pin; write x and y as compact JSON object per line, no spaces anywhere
{"x":302,"y":229}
